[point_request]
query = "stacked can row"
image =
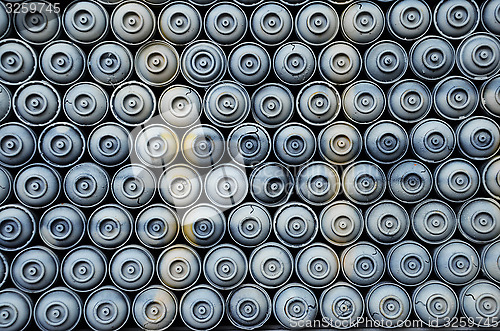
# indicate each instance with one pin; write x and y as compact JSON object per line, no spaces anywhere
{"x":249,"y":306}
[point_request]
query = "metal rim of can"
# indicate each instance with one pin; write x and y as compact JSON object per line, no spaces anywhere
{"x":401,"y":244}
{"x":353,"y":80}
{"x":82,"y":53}
{"x":481,"y":18}
{"x":259,"y":127}
{"x":35,"y":139}
{"x":361,"y":224}
{"x":97,"y":3}
{"x":214,"y":249}
{"x":391,"y":324}
{"x":308,"y":201}
{"x":47,"y":129}
{"x":124,"y":249}
{"x":466,"y":73}
{"x":9,"y":97}
{"x":129,"y":139}
{"x":126,"y":84}
{"x":185,"y":72}
{"x":417,"y":73}
{"x":76,"y":249}
{"x":423,"y":33}
{"x":484,"y":252}
{"x":436,"y":26}
{"x":144,"y":132}
{"x":312,"y":3}
{"x":129,"y":218}
{"x":210,"y":288}
{"x":76,"y":86}
{"x":391,"y":81}
{"x":198,"y":176}
{"x":261,"y":5}
{"x":458,"y":132}
{"x":27,"y":299}
{"x":192,"y":128}
{"x":373,"y":157}
{"x":102,"y":288}
{"x":390,"y":107}
{"x":55,"y":259}
{"x":377,"y":252}
{"x":178,"y":246}
{"x":283,"y":88}
{"x":45,"y":84}
{"x":147,"y":209}
{"x":272,"y":245}
{"x":44,"y":7}
{"x":291,"y":205}
{"x":338,"y":284}
{"x":33,"y":224}
{"x":9,"y":21}
{"x":301,"y":93}
{"x":202,"y":3}
{"x":462,"y":297}
{"x":354,"y":83}
{"x":9,"y":187}
{"x":219,"y":213}
{"x":76,"y":210}
{"x":142,"y":4}
{"x":422,"y":238}
{"x":268,"y":301}
{"x":389,"y":175}
{"x":53,"y":171}
{"x":299,"y":275}
{"x":129,"y":55}
{"x":436,"y":185}
{"x":143,"y":168}
{"x":427,"y":283}
{"x":352,"y":5}
{"x":482,"y":99}
{"x":143,"y":79}
{"x":105,"y":173}
{"x":293,"y":43}
{"x":371,"y":164}
{"x":162,"y":288}
{"x":405,"y":231}
{"x":191,"y":90}
{"x":467,"y":236}
{"x":214,"y":6}
{"x":68,"y":291}
{"x":322,"y":133}
{"x":309,"y":305}
{"x":33,"y":54}
{"x":483,"y":177}
{"x":418,"y":125}
{"x":297,"y":124}
{"x":249,"y":4}
{"x":164,"y":9}
{"x":250,"y":43}
{"x":435,"y":261}
{"x":253,"y":204}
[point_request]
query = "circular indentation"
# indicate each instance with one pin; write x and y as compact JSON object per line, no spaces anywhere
{"x":202,"y":311}
{"x":365,"y":184}
{"x":203,"y":228}
{"x":343,"y":226}
{"x":438,"y":306}
{"x":179,"y":269}
{"x":82,"y":270}
{"x":435,"y":141}
{"x":296,"y":308}
{"x":391,"y":307}
{"x":365,"y":266}
{"x":133,"y":187}
{"x":226,"y":269}
{"x":296,"y":227}
{"x":203,"y":63}
{"x":83,"y":20}
{"x":341,"y":63}
{"x":56,"y":314}
{"x":11,"y":145}
{"x":436,"y":223}
{"x":487,"y":305}
{"x":249,"y":64}
{"x":295,"y":145}
{"x":132,"y":22}
{"x":364,"y":21}
{"x":226,"y":104}
{"x":248,"y":309}
{"x":412,"y":183}
{"x":32,"y":271}
{"x":412,"y":265}
{"x":10,"y":229}
{"x":434,"y":58}
{"x":108,"y":228}
{"x":459,"y":181}
{"x":318,"y":23}
{"x":60,"y":228}
{"x":388,"y":225}
{"x":318,"y":268}
{"x":109,"y":145}
{"x":271,"y":23}
{"x":250,"y":227}
{"x":295,"y":63}
{"x":105,"y":312}
{"x":387,"y":61}
{"x":35,"y":187}
{"x":156,"y":62}
{"x":483,"y":222}
{"x":84,"y":104}
{"x":460,"y":265}
{"x":154,"y":311}
{"x":457,"y":16}
{"x":85,"y":186}
{"x":272,"y":268}
{"x":131,"y":270}
{"x":179,"y":23}
{"x":482,"y":139}
{"x":109,"y":63}
{"x":225,"y":23}
{"x":60,"y":63}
